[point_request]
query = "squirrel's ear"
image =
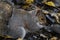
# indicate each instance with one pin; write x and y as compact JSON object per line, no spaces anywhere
{"x":19,"y":39}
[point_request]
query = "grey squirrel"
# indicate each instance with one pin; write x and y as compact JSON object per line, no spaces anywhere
{"x":20,"y":23}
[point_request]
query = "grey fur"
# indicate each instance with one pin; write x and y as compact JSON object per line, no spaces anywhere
{"x":21,"y":18}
